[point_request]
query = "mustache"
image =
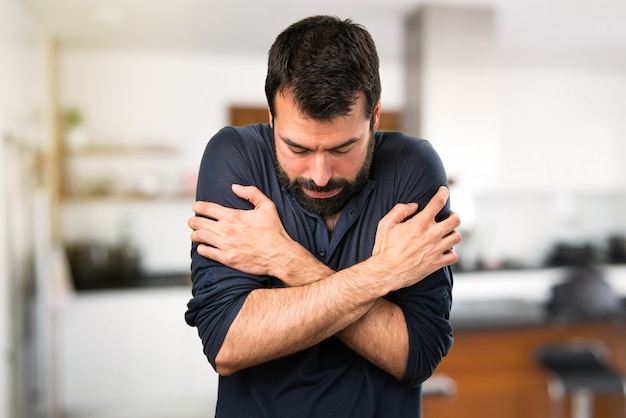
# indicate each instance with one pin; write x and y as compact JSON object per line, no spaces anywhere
{"x":310,"y":184}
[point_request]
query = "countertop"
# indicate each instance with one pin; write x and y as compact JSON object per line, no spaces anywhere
{"x":501,"y":299}
{"x":515,"y":298}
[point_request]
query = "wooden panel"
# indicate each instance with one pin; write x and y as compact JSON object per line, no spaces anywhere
{"x":389,"y":121}
{"x":496,"y":374}
{"x":246,"y":115}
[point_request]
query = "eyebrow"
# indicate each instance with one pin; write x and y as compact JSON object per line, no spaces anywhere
{"x":294,"y":144}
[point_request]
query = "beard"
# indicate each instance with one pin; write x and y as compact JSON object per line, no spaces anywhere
{"x":331,"y":205}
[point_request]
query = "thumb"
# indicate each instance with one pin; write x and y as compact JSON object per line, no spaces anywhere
{"x":251,"y":194}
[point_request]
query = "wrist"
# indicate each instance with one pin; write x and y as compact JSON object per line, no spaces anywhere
{"x":378,"y":275}
{"x":289,"y":263}
{"x":296,"y":266}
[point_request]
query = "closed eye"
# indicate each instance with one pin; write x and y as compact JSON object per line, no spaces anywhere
{"x":342,"y":150}
{"x":299,"y":150}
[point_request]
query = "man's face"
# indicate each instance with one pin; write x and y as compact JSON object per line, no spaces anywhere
{"x":322,"y":164}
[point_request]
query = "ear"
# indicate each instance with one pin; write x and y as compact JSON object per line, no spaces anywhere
{"x":376,"y":115}
{"x":270,"y":118}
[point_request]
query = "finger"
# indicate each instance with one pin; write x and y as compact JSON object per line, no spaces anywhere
{"x":206,"y":209}
{"x":198,"y":207}
{"x":199,"y":222}
{"x":203,"y":237}
{"x":454,"y":219}
{"x":437,"y":202}
{"x":452,"y":222}
{"x":208,"y":251}
{"x":399,"y":213}
{"x":206,"y":231}
{"x":251,"y":194}
{"x":449,"y":257}
{"x":452,"y":239}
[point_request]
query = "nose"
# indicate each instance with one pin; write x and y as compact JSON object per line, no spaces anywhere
{"x":320,"y":171}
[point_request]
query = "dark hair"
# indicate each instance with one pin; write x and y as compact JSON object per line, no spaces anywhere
{"x":325,"y":62}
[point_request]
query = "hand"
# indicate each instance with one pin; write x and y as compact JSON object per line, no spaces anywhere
{"x":416,"y":247}
{"x":246,"y":240}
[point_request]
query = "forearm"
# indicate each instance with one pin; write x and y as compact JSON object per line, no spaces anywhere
{"x":381,"y":337}
{"x":379,"y":334}
{"x":273,"y":323}
{"x":296,"y":266}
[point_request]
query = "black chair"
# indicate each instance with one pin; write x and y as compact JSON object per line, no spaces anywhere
{"x":579,"y":368}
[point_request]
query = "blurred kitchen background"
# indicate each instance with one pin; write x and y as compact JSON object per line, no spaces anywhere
{"x":105,"y":109}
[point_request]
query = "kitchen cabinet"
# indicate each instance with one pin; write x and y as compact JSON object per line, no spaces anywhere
{"x":129,"y":350}
{"x":130,"y":353}
{"x":496,"y":376}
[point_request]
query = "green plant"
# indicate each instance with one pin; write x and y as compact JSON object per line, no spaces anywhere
{"x":71,"y":118}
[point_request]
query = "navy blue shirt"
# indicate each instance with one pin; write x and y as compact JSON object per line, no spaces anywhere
{"x":328,"y":379}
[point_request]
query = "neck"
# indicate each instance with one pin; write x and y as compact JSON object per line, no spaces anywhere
{"x":331,"y":221}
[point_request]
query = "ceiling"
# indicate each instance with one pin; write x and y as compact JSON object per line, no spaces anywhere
{"x":576,"y":29}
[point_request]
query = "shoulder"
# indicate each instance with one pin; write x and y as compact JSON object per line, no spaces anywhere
{"x":246,"y":147}
{"x":240,"y":137}
{"x":241,"y":155}
{"x":405,"y":151}
{"x":408,"y":167}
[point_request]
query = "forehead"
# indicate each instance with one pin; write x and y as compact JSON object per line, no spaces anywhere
{"x":286,"y":98}
{"x":292,"y":124}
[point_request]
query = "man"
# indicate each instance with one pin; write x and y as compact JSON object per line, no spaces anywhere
{"x":318,"y":290}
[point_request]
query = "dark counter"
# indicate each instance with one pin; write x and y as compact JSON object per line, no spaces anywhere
{"x":496,"y":314}
{"x":136,"y":281}
{"x":508,"y":314}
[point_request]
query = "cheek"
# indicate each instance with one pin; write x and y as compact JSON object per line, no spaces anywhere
{"x":294,"y":167}
{"x":349,"y":168}
{"x":346,"y":168}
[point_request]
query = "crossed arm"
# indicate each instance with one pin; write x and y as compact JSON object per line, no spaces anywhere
{"x":318,"y":302}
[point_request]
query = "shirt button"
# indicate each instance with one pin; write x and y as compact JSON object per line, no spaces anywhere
{"x":322,"y":253}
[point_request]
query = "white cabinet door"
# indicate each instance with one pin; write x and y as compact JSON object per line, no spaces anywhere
{"x":131,"y":352}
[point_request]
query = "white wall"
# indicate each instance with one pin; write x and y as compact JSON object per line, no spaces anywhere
{"x":564,"y":98}
{"x":182,"y":98}
{"x":22,"y":70}
{"x":562,"y":139}
{"x":4,"y":269}
{"x":521,"y":131}
{"x":562,"y":175}
{"x":564,"y":127}
{"x":457,"y":81}
{"x":505,"y":118}
{"x":140,"y":96}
